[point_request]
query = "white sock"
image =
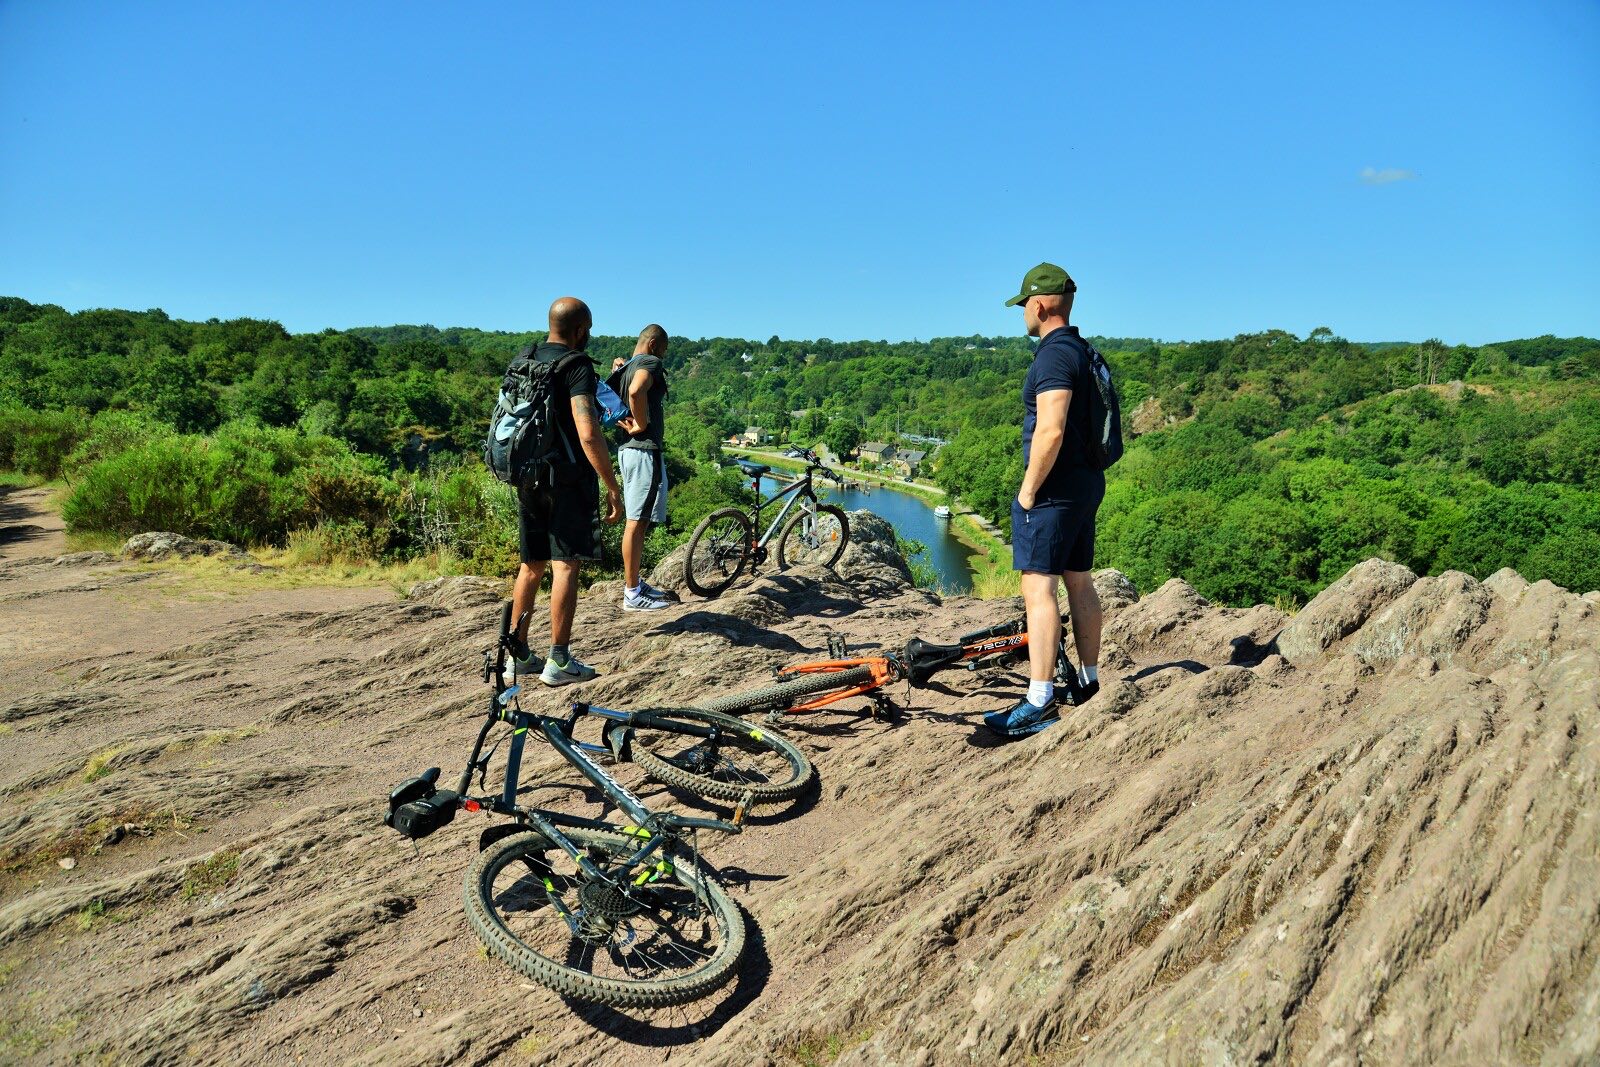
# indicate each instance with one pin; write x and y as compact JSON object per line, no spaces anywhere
{"x":1041,"y":693}
{"x":1088,"y":674}
{"x":633,"y":591}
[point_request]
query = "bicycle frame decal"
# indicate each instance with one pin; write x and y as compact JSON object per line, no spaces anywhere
{"x":801,"y":487}
{"x":605,"y":781}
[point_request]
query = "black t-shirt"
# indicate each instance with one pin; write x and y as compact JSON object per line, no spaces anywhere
{"x":576,"y":378}
{"x":1062,"y":362}
{"x":652,"y":437}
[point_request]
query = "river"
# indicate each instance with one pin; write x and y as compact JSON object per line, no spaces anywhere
{"x":911,"y":517}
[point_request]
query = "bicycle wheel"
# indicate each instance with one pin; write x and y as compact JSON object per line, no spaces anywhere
{"x":668,"y":941}
{"x":718,"y":551}
{"x":781,"y":696}
{"x":743,"y":760}
{"x":814,"y":537}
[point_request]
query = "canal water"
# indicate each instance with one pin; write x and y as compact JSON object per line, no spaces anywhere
{"x":909,"y":515}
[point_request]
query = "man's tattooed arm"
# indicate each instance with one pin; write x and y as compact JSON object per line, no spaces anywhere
{"x":584,"y":410}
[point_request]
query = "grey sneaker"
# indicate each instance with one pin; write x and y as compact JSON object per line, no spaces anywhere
{"x":566,"y":674}
{"x":642,"y":601}
{"x":525,"y":670}
{"x":658,"y":594}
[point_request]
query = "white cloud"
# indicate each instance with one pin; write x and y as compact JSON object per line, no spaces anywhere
{"x":1371,"y":176}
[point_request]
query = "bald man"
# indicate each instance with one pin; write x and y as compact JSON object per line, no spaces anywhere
{"x":558,"y":526}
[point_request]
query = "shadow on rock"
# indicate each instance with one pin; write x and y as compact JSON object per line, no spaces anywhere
{"x":733,"y":628}
{"x":1192,"y":666}
{"x":668,"y":1027}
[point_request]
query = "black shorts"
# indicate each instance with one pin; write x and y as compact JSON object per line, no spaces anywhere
{"x":559,"y":523}
{"x":1056,"y":536}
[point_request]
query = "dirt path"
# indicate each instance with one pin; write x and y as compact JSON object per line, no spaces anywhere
{"x":1391,"y":842}
{"x":28,"y":525}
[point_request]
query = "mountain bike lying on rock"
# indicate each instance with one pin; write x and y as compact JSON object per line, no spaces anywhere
{"x":622,"y":915}
{"x":725,"y":541}
{"x":805,"y":686}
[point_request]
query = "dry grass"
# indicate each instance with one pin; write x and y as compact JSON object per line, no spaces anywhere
{"x":288,"y":568}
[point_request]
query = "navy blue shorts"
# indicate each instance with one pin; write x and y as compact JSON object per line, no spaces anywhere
{"x":1055,"y":537}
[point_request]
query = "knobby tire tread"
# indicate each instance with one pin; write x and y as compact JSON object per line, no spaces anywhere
{"x":713,"y":789}
{"x":708,"y":591}
{"x":574,"y":983}
{"x":789,"y":528}
{"x":783,"y":694}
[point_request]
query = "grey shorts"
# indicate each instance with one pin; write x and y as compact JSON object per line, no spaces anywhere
{"x":644,"y":484}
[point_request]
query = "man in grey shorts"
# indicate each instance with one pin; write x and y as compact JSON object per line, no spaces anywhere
{"x":643,"y":386}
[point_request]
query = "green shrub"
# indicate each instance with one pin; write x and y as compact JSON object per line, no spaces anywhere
{"x":247,"y":484}
{"x":459,"y":508}
{"x":37,"y":442}
{"x":112,"y":432}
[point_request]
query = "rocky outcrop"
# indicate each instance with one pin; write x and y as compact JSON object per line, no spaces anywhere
{"x":156,"y":546}
{"x":1369,"y":833}
{"x":1341,"y":608}
{"x":871,"y":560}
{"x":462,"y":591}
{"x":1148,"y":417}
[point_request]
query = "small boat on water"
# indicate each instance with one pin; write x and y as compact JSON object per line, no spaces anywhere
{"x":941,"y":512}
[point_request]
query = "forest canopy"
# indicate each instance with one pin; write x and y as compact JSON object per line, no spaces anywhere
{"x":1259,"y":467}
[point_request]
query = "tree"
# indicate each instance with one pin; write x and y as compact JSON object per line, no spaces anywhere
{"x":842,"y":437}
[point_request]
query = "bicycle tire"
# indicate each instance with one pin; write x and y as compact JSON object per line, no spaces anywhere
{"x":781,"y":696}
{"x":734,"y":785}
{"x":790,"y":535}
{"x":706,"y":560}
{"x":487,"y":923}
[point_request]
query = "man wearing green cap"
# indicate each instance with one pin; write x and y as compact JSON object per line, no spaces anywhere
{"x":1052,"y":519}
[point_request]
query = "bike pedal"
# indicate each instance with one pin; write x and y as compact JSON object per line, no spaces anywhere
{"x":742,"y":808}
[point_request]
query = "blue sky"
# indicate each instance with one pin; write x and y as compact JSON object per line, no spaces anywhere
{"x":1393,"y":171}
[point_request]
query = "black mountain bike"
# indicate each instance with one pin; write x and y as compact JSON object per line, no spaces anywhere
{"x":725,"y":541}
{"x":621,"y":915}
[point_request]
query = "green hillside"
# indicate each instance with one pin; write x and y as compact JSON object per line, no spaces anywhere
{"x":1273,"y":461}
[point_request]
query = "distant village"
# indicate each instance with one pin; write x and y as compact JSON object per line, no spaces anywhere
{"x":879,"y":456}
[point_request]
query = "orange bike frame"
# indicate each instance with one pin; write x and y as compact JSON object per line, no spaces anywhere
{"x":886,"y":670}
{"x":883,"y":672}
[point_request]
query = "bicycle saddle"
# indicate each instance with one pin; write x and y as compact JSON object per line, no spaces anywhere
{"x":754,"y":470}
{"x":923,"y":658}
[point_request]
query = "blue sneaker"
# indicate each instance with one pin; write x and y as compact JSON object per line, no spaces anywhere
{"x":1022,"y":720}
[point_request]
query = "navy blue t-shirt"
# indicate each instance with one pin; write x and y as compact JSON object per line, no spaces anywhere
{"x":1062,"y":362}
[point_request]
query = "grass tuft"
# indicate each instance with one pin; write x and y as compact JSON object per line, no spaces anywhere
{"x":99,"y":764}
{"x":211,"y":876}
{"x":825,"y":1050}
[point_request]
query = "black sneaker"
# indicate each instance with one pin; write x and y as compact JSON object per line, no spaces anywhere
{"x":1082,"y":692}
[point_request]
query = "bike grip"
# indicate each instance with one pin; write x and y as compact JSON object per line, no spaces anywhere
{"x":505,"y":618}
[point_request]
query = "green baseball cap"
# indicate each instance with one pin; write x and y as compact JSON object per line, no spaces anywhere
{"x":1045,"y":279}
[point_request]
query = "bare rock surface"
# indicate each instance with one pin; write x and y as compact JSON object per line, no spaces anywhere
{"x":1368,"y":834}
{"x":159,"y":545}
{"x":461,"y":591}
{"x":1341,"y":608}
